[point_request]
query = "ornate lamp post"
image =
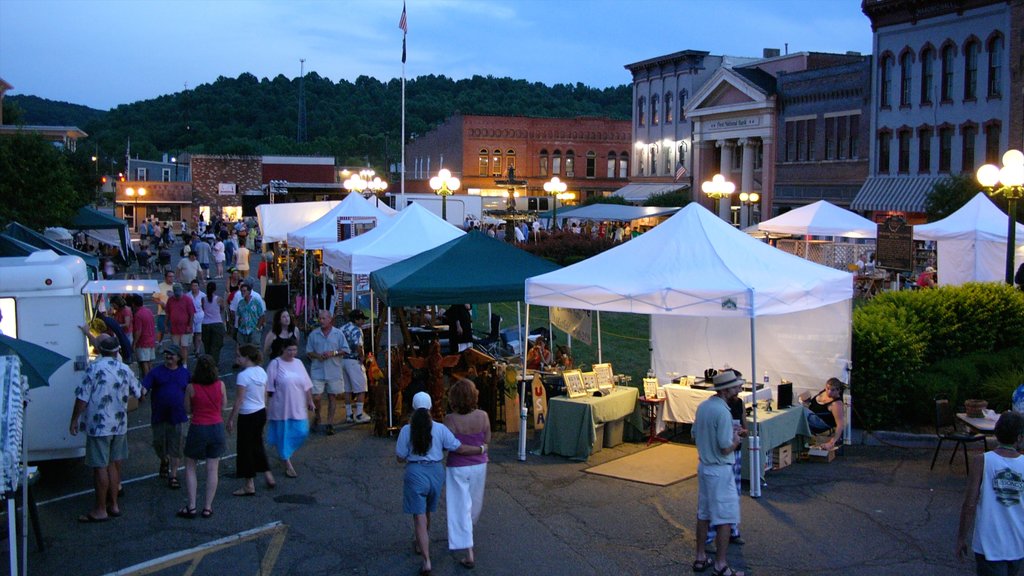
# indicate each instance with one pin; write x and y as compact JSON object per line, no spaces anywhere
{"x":557,"y":190}
{"x":365,"y":181}
{"x":135,"y":195}
{"x":717,"y":188}
{"x":444,"y":185}
{"x":748,"y":200}
{"x":1008,"y":181}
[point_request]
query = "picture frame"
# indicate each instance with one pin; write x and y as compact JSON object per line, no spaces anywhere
{"x":605,"y":376}
{"x":574,"y":386}
{"x":650,"y":387}
{"x":590,"y":382}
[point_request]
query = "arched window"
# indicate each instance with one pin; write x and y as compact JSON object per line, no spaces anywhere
{"x":927,"y":75}
{"x":641,"y":104}
{"x":641,"y":154}
{"x":510,"y":159}
{"x":624,"y":165}
{"x":884,"y":150}
{"x":993,"y":130}
{"x":946,"y":93}
{"x":496,"y":167}
{"x":544,"y":162}
{"x":668,"y":107}
{"x":654,"y":110}
{"x":556,"y":163}
{"x":482,"y":171}
{"x":654,"y":160}
{"x":591,"y":164}
{"x":611,"y":164}
{"x":682,"y":104}
{"x":885,"y":84}
{"x":906,"y":68}
{"x":995,"y":66}
{"x":570,"y":164}
{"x":971,"y":51}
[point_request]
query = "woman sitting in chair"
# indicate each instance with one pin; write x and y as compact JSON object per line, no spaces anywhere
{"x":824,"y":411}
{"x":539,"y":355}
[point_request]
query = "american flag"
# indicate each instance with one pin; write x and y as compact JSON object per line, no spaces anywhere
{"x":404,"y":25}
{"x":680,"y":172}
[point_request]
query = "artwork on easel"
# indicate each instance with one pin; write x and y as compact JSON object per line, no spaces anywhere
{"x":590,"y":382}
{"x":605,"y":379}
{"x":650,"y":387}
{"x":574,"y":386}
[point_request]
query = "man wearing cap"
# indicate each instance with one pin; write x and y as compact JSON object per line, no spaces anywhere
{"x":180,"y":312}
{"x":352,"y":365}
{"x":717,"y":441}
{"x":326,"y":348}
{"x":166,"y":386}
{"x":102,"y":398}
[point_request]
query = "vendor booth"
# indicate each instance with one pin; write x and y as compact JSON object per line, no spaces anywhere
{"x":104,"y":228}
{"x":277,"y":220}
{"x":822,"y":219}
{"x":323,"y":231}
{"x":717,"y":298}
{"x":972,"y":243}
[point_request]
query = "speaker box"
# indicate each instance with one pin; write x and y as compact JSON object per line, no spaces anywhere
{"x":276,"y":297}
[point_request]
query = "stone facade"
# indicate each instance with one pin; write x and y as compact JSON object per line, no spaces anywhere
{"x":209,"y":172}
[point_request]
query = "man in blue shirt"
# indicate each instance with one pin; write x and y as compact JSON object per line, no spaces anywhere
{"x":166,"y":385}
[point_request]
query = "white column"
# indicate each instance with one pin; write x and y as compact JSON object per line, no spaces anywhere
{"x":747,"y":177}
{"x":725,"y":204}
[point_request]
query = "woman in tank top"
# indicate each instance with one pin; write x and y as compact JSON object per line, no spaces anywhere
{"x":212,"y":329}
{"x":204,"y":400}
{"x":466,"y":474}
{"x":282,"y":331}
{"x":824,"y":411}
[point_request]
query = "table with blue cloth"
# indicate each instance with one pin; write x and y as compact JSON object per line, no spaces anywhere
{"x":572,"y":422}
{"x":777,"y":428}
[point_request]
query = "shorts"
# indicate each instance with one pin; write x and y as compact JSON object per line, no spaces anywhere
{"x":355,"y":376}
{"x":145,"y":354}
{"x":167,"y":440}
{"x":204,"y":266}
{"x":421,"y":487}
{"x":182,"y":339}
{"x":332,"y":386}
{"x":161,"y":323}
{"x":101,"y":451}
{"x":205,"y":441}
{"x":984,"y":567}
{"x":717,"y":500}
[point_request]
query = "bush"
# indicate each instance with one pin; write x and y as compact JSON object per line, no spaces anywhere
{"x":564,"y":248}
{"x":998,"y":388}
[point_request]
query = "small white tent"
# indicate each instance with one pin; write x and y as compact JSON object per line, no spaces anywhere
{"x":972,"y":243}
{"x":323,"y":231}
{"x":821,"y":218}
{"x":277,"y":220}
{"x":412,"y":231}
{"x":711,"y":290}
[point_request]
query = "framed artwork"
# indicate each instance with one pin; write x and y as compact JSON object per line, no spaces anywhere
{"x":590,"y":382}
{"x":574,"y":386}
{"x":650,"y":387}
{"x":605,"y":379}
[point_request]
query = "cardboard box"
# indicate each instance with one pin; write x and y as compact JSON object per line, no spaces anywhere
{"x":819,"y":454}
{"x":613,"y":433}
{"x":782,"y":457}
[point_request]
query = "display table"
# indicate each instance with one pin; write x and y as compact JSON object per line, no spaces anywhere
{"x":682,"y":401}
{"x":570,"y":429}
{"x":777,"y":428}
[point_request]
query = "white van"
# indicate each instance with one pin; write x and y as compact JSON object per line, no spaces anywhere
{"x":44,"y":298}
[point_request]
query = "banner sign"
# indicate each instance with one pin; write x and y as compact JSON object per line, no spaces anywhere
{"x":576,"y":323}
{"x":226,"y":189}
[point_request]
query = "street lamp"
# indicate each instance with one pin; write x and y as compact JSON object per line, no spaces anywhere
{"x":717,"y":188}
{"x":364,"y":181}
{"x":557,"y":190}
{"x":748,"y":200}
{"x":1010,"y":182}
{"x":135,"y":195}
{"x":444,"y":185}
{"x":174,"y":160}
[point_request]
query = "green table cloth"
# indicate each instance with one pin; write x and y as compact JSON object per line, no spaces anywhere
{"x":571,"y":426}
{"x":776,"y":428}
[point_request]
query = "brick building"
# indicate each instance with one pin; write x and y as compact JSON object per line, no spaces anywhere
{"x":822,"y":151}
{"x":591,"y":155}
{"x":219,"y":182}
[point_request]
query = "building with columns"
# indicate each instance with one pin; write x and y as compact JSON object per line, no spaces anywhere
{"x":947,"y":86}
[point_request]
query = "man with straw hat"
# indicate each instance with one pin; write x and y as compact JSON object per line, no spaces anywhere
{"x":717,"y":441}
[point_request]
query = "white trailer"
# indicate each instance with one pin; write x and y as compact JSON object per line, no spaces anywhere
{"x":460,"y":207}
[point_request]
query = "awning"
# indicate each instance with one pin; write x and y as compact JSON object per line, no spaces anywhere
{"x":641,"y":192}
{"x":899,"y":193}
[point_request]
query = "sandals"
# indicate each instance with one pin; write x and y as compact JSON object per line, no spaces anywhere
{"x":243,"y":492}
{"x":187,"y":513}
{"x":727,"y":571}
{"x":90,"y":519}
{"x":207,"y":513}
{"x":173,"y":484}
{"x":467,"y":563}
{"x":291,"y":473}
{"x":701,"y":565}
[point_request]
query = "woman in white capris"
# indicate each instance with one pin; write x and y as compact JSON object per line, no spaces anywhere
{"x":466,"y":474}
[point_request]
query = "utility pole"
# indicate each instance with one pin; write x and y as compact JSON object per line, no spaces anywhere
{"x":300,"y":135}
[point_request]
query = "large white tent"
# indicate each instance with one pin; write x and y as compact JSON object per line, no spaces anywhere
{"x":323,"y":231}
{"x":717,"y":297}
{"x":277,"y":220}
{"x":821,"y":218}
{"x":412,"y":231}
{"x":972,"y":243}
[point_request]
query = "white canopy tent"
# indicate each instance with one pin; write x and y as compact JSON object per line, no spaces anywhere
{"x":277,"y":220}
{"x":972,"y":243}
{"x":821,"y":218}
{"x":323,"y":231}
{"x":710,"y":289}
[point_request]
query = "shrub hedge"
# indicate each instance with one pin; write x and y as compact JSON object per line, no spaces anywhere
{"x":965,"y":341}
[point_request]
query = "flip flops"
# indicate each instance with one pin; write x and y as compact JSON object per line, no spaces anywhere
{"x":243,"y":492}
{"x":701,"y":565}
{"x":207,"y":513}
{"x":187,"y":513}
{"x":90,"y":519}
{"x":467,"y":563}
{"x":173,"y":484}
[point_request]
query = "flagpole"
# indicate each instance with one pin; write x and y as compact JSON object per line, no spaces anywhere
{"x":403,"y":25}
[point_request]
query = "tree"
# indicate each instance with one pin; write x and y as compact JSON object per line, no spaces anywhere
{"x":950,"y":195}
{"x":604,"y":200}
{"x":669,"y":199}
{"x":36,"y":183}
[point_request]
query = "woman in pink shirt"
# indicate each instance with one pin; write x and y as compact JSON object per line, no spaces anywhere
{"x":466,"y":473}
{"x":290,"y":400}
{"x":204,"y":400}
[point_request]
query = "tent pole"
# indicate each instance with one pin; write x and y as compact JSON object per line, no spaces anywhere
{"x":753,"y":440}
{"x":373,"y":349}
{"x":323,"y":284}
{"x":523,"y":407}
{"x":391,"y":404}
{"x":305,"y":289}
{"x":600,"y":356}
{"x":24,"y":481}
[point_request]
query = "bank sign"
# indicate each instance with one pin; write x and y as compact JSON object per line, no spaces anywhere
{"x":733,"y":123}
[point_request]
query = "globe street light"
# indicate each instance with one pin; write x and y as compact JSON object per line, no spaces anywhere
{"x":1008,"y":181}
{"x":444,"y":185}
{"x":135,"y":195}
{"x":364,"y":181}
{"x":717,"y":188}
{"x":748,"y":200}
{"x":557,"y":190}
